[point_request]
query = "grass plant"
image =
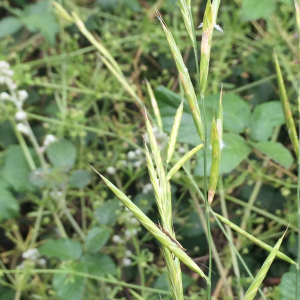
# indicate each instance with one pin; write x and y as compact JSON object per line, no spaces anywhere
{"x":92,"y":131}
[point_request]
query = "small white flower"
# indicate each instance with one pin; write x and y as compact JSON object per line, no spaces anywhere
{"x":124,"y":162}
{"x":20,"y":115}
{"x":50,"y":138}
{"x":128,"y":253}
{"x":22,"y":95}
{"x":137,"y":164}
{"x":111,"y":170}
{"x":23,"y":128}
{"x":21,"y":266}
{"x":2,"y":79}
{"x":42,"y":262}
{"x":130,"y":232}
{"x":131,"y":155}
{"x":117,"y":239}
{"x":138,"y":151}
{"x":8,"y":72}
{"x":181,"y":150}
{"x":126,"y":261}
{"x":147,"y":188}
{"x":13,"y":86}
{"x":32,"y":254}
{"x":4,"y":65}
{"x":5,"y":96}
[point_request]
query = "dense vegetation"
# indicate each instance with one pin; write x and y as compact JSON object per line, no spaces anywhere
{"x":104,"y":86}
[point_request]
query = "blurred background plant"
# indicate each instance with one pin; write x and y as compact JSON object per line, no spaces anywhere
{"x":64,"y":235}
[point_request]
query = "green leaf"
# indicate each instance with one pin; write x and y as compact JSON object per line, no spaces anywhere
{"x":64,"y":249}
{"x":134,"y":5}
{"x":45,"y":23}
{"x":15,"y":169}
{"x":275,"y":151}
{"x":287,"y":286}
{"x":9,"y":26}
{"x":6,"y":293}
{"x":62,"y":154}
{"x":235,"y":151}
{"x":99,"y":264}
{"x":40,"y":7}
{"x":9,"y":206}
{"x":68,"y":286}
{"x":107,"y":213}
{"x":96,"y":238}
{"x":80,"y":178}
{"x":236,"y":114}
{"x":7,"y":134}
{"x":108,"y":4}
{"x":264,"y":118}
{"x":256,"y":9}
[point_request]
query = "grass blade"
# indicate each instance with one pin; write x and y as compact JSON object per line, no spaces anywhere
{"x":174,"y":132}
{"x":182,"y":161}
{"x":286,"y":108}
{"x":251,"y":292}
{"x":154,"y":105}
{"x":254,"y":239}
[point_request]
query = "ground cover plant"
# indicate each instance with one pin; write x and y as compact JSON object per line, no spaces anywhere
{"x":145,"y":158}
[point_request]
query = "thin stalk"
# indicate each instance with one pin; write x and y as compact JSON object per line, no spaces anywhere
{"x":86,"y":275}
{"x":60,"y":226}
{"x":229,"y":232}
{"x":140,"y":263}
{"x":74,"y":223}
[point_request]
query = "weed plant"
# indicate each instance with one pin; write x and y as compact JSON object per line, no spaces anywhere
{"x":66,"y":252}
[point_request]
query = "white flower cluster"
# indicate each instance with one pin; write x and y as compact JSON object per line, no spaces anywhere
{"x":15,"y":96}
{"x":136,"y":158}
{"x":34,"y":256}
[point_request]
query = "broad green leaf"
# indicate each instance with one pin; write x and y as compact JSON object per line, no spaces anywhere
{"x":62,"y":154}
{"x":287,"y":286}
{"x":107,"y":213}
{"x":99,"y":264}
{"x":6,"y":293}
{"x":235,"y":151}
{"x":7,"y":134}
{"x":236,"y":114}
{"x":9,"y":206}
{"x":108,"y":4}
{"x":15,"y":169}
{"x":80,"y":178}
{"x":275,"y":151}
{"x":9,"y":26}
{"x":45,"y":23}
{"x":257,"y":9}
{"x":134,"y":5}
{"x":64,"y":249}
{"x":40,"y":7}
{"x":263,"y":120}
{"x":68,"y":286}
{"x":96,"y":238}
